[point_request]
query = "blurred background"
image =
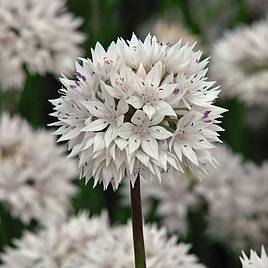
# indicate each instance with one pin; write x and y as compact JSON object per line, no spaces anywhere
{"x":245,"y":124}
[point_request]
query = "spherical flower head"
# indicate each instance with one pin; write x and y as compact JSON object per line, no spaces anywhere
{"x":139,"y":108}
{"x":254,"y":261}
{"x":58,"y":245}
{"x":35,"y":176}
{"x":40,"y":35}
{"x":244,"y":73}
{"x":115,"y":249}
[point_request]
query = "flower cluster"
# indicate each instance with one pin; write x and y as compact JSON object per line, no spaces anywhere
{"x":139,"y":108}
{"x":236,"y":194}
{"x":40,"y":35}
{"x":115,"y":249}
{"x":57,"y":246}
{"x":35,"y":177}
{"x":254,"y":261}
{"x":244,"y":73}
{"x":91,"y":243}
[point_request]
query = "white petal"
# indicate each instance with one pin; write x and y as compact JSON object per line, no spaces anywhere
{"x":113,"y":91}
{"x":177,"y":150}
{"x":144,"y":158}
{"x":134,"y":143}
{"x":135,"y":101}
{"x":189,"y":153}
{"x":150,"y":147}
{"x":98,"y":142}
{"x":158,"y":117}
{"x":122,"y":144}
{"x":96,"y":125}
{"x":141,"y":71}
{"x":122,"y":106}
{"x":110,"y":134}
{"x":109,"y":100}
{"x":138,"y":118}
{"x":153,"y":78}
{"x":96,"y":108}
{"x":165,"y":108}
{"x":149,"y":110}
{"x":126,"y":130}
{"x":166,"y":90}
{"x":159,"y":133}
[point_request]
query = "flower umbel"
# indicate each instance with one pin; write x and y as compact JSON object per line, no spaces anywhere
{"x":39,"y":35}
{"x":141,"y":108}
{"x":35,"y":176}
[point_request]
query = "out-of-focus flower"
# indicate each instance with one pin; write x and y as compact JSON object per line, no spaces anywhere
{"x":236,"y":195}
{"x":139,"y":108}
{"x":35,"y":176}
{"x":243,"y":73}
{"x":174,"y":198}
{"x":212,"y":17}
{"x":57,"y":246}
{"x":254,"y":261}
{"x":115,"y":249}
{"x":39,"y":35}
{"x":169,"y":32}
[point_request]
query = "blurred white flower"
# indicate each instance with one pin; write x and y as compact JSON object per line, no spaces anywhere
{"x":175,"y":199}
{"x":254,"y":261}
{"x":243,"y":73}
{"x":168,"y":32}
{"x":115,"y":249}
{"x":141,"y":108}
{"x":35,"y":176}
{"x":57,"y":246}
{"x":237,"y":198}
{"x":39,"y":35}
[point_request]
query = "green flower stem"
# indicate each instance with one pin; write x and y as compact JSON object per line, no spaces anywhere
{"x":137,"y":225}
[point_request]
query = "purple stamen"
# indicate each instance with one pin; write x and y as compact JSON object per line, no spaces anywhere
{"x":79,"y":75}
{"x":72,"y":86}
{"x":206,"y":113}
{"x":176,"y":91}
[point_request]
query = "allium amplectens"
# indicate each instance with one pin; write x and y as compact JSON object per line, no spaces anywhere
{"x":240,"y":190}
{"x":139,"y":108}
{"x":58,"y":245}
{"x":85,"y":242}
{"x":243,"y":73}
{"x":39,"y":35}
{"x":115,"y":249}
{"x":35,"y":176}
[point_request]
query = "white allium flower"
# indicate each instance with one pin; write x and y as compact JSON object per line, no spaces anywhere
{"x":57,"y":246}
{"x":115,"y":249}
{"x":35,"y":176}
{"x":40,"y":35}
{"x":254,"y":261}
{"x":243,"y":73}
{"x":236,"y":194}
{"x":141,"y":108}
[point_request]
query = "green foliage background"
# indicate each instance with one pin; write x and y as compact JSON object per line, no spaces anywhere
{"x":104,"y":21}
